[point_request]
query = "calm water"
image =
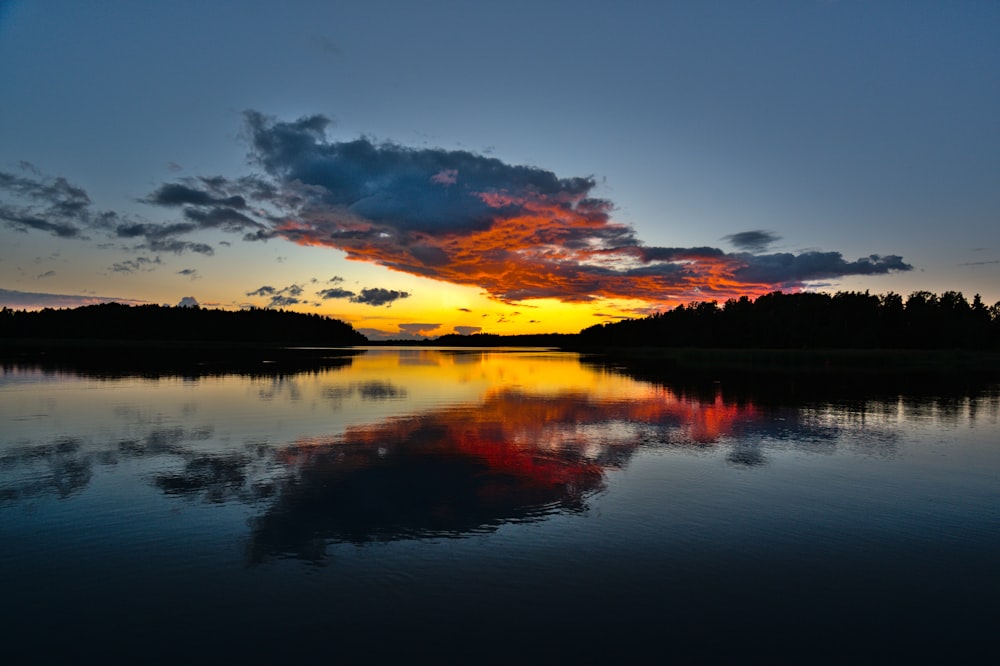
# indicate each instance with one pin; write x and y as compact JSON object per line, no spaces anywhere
{"x":490,"y":506}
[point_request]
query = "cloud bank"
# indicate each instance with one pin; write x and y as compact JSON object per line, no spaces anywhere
{"x":35,"y":202}
{"x":516,"y":232}
{"x":295,"y":293}
{"x":28,"y":300}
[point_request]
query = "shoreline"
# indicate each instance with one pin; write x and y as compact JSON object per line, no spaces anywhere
{"x":94,"y":352}
{"x":121,"y":357}
{"x":810,"y":361}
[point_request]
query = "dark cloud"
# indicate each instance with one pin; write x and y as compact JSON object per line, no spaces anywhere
{"x":180,"y":194}
{"x":137,"y":264}
{"x":279,"y":298}
{"x":177,"y":246}
{"x":189,"y":272}
{"x":188,"y":302}
{"x":369,"y":296}
{"x":46,"y":274}
{"x":757,"y":240}
{"x":162,"y":237}
{"x":208,"y":203}
{"x":516,"y":232}
{"x":675,"y":254}
{"x":57,"y":195}
{"x":378,"y":296}
{"x":422,"y":330}
{"x":403,"y":188}
{"x":36,"y":202}
{"x":785,"y":269}
{"x":220,"y":217}
{"x":468,"y":330}
{"x":27,"y":300}
{"x":335,"y":292}
{"x":25,"y":222}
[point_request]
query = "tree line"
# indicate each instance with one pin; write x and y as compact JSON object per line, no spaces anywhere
{"x":115,"y":321}
{"x":851,"y":320}
{"x":848,"y":320}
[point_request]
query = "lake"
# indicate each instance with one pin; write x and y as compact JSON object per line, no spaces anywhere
{"x":464,"y":506}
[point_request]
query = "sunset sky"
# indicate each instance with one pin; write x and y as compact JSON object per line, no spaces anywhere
{"x":421,"y":168}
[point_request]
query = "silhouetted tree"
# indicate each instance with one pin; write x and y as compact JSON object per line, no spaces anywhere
{"x":843,"y":320}
{"x":114,"y":321}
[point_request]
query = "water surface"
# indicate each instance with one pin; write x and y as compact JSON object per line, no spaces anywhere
{"x":476,"y":505}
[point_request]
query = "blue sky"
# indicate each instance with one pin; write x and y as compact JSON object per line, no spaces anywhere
{"x":765,"y":144}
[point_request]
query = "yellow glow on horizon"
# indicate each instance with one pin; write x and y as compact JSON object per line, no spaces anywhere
{"x":452,"y":309}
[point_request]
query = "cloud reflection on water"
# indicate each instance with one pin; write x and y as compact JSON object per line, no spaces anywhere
{"x":532,"y":437}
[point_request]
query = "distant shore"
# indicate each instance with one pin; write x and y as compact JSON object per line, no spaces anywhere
{"x":873,"y":360}
{"x":96,"y":353}
{"x":166,"y":356}
{"x":813,"y":361}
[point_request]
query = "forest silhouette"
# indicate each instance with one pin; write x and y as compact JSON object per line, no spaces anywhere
{"x":805,"y":320}
{"x":845,"y":320}
{"x":114,"y":321}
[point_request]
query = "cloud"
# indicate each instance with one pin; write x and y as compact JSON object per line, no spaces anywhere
{"x":368,"y":296}
{"x":785,"y":269}
{"x":190,"y":272}
{"x":180,"y":194}
{"x":517,"y":232}
{"x":279,"y":298}
{"x":335,"y":292}
{"x":188,"y":302}
{"x":206,"y":203}
{"x":378,"y":296}
{"x":378,"y":334}
{"x":135,"y":265}
{"x":422,"y":330}
{"x":445,"y":177}
{"x":468,"y":330}
{"x":33,"y":201}
{"x":162,"y":237}
{"x":45,"y":274}
{"x":27,"y":300}
{"x":752,"y":241}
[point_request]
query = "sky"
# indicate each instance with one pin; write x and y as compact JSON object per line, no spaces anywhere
{"x":418,"y":169}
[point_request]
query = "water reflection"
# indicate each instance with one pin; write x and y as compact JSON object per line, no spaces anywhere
{"x":414,"y":444}
{"x":189,"y":361}
{"x":442,"y":473}
{"x":31,"y":471}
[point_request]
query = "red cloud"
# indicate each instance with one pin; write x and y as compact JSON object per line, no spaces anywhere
{"x":548,"y":249}
{"x":517,"y":232}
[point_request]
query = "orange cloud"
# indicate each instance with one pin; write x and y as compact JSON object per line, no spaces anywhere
{"x":516,"y":232}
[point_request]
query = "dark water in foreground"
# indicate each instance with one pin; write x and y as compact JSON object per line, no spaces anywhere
{"x":463,"y":507}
